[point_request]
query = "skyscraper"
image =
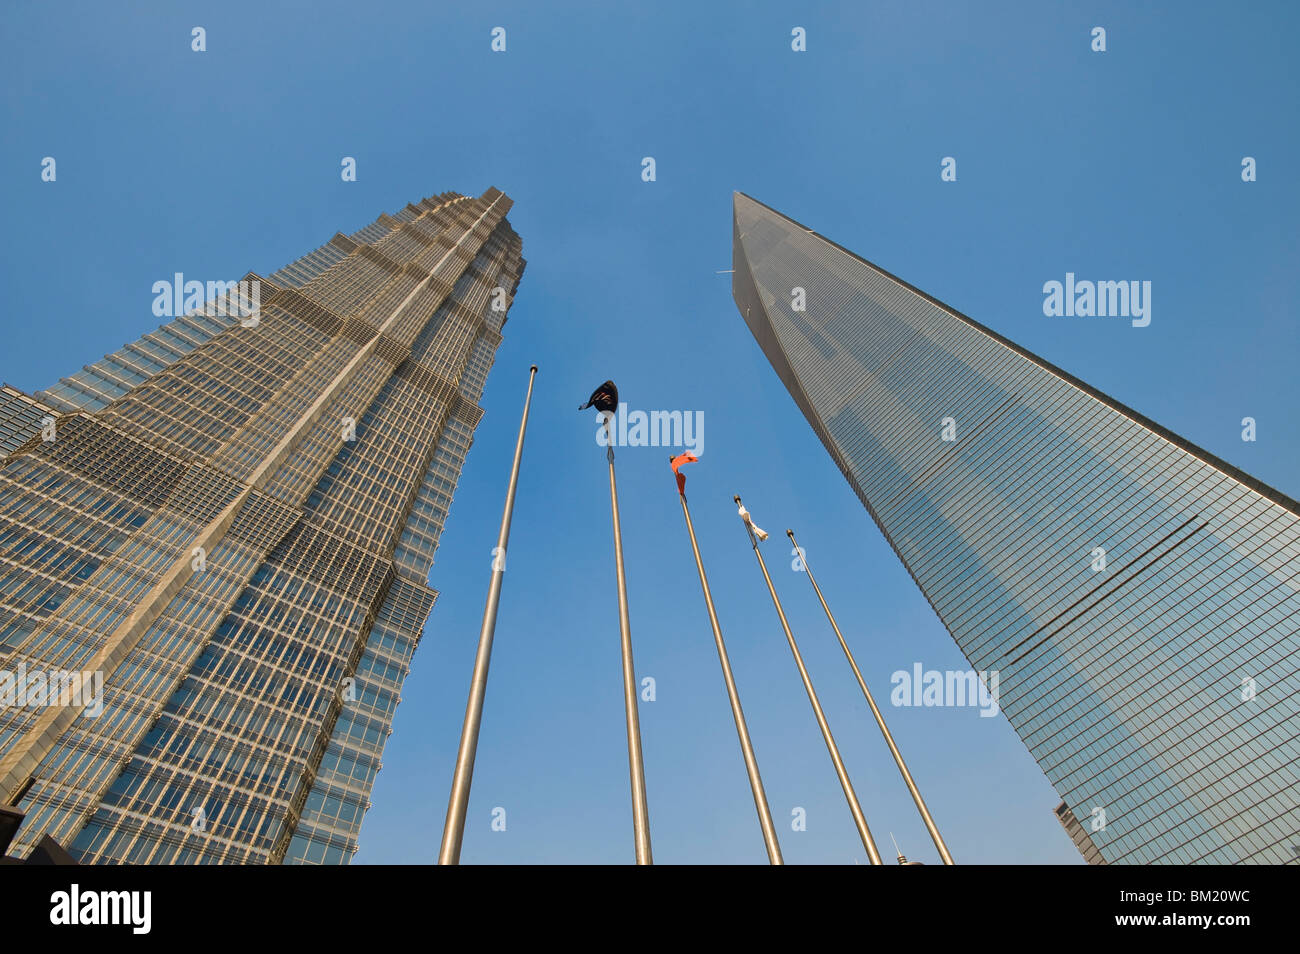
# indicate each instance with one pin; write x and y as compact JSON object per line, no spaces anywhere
{"x":233,"y":520}
{"x":1137,"y":595}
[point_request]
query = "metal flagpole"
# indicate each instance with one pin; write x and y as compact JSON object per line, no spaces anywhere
{"x":636,"y":765}
{"x":746,"y":747}
{"x":880,"y":719}
{"x":859,"y":819}
{"x":453,"y":830}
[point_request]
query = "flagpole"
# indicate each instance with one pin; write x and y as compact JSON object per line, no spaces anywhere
{"x":746,"y":747}
{"x":453,"y":829}
{"x":930,"y":826}
{"x":636,"y":764}
{"x":859,"y":819}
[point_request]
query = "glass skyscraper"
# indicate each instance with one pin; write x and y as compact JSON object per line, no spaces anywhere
{"x":1137,"y":595}
{"x":233,"y":520}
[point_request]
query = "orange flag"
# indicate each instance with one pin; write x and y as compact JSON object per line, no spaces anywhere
{"x":681,"y":478}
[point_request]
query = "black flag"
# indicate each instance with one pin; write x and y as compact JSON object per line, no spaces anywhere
{"x":604,"y":398}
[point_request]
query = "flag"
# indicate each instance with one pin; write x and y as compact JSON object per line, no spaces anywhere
{"x":758,"y":531}
{"x":681,"y":478}
{"x":604,"y":398}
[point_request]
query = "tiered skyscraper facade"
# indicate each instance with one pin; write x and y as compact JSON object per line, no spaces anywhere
{"x":233,"y":519}
{"x":1137,"y":595}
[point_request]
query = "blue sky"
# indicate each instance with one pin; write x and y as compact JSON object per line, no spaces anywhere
{"x":1117,"y":165}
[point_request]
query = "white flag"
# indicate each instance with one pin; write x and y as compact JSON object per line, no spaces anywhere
{"x":758,"y":531}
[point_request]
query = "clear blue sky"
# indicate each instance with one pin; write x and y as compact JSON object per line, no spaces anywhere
{"x":1117,"y":165}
